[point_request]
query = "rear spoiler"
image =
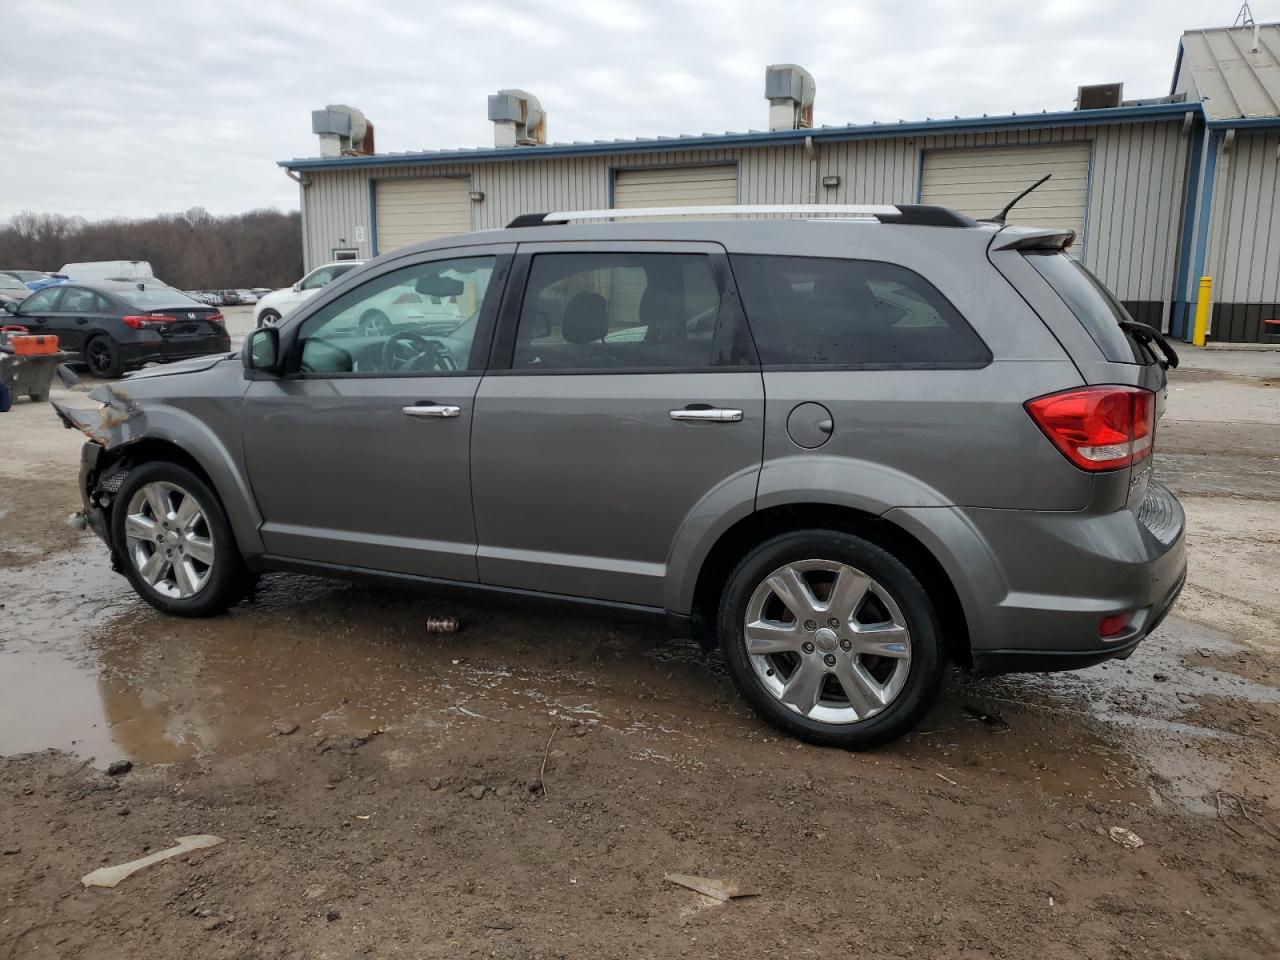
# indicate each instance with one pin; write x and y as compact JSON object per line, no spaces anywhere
{"x":1033,"y":238}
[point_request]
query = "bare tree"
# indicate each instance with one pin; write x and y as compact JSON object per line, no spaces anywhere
{"x":192,"y":250}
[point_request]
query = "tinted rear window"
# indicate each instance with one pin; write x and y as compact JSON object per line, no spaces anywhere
{"x":818,"y":312}
{"x":1093,"y":305}
{"x":158,"y":299}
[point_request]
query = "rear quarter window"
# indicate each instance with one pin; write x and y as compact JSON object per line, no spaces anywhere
{"x":819,"y":312}
{"x":1092,"y":303}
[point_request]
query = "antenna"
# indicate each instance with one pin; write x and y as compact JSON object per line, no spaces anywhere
{"x":999,"y":217}
{"x":1245,"y":17}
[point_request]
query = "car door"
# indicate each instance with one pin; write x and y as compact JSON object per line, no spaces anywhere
{"x":631,"y":404}
{"x":358,"y":454}
{"x":77,"y":313}
{"x":38,"y":312}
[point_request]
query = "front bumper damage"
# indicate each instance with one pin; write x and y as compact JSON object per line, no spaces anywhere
{"x":111,"y":428}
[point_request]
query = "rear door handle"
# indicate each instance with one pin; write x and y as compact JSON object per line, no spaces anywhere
{"x":440,"y":411}
{"x":708,"y":414}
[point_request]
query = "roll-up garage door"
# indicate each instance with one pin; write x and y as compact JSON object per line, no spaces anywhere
{"x":982,"y":180}
{"x":410,"y":211}
{"x":676,"y":187}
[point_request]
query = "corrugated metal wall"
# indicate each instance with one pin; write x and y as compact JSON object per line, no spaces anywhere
{"x":1130,"y":238}
{"x":1244,"y":234}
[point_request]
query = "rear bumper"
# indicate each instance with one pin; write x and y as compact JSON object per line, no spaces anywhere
{"x":136,"y":354}
{"x":1035,"y":585}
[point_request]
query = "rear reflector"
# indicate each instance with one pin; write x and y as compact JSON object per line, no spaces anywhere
{"x":1113,"y":625}
{"x":1098,"y":428}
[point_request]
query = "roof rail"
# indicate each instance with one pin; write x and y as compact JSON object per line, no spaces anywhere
{"x":913,"y":214}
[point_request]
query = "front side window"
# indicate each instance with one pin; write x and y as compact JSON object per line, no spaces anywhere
{"x":41,"y":301}
{"x":626,"y":311}
{"x":817,"y":312}
{"x":417,"y":320}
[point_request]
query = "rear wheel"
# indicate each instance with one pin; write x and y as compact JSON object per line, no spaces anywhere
{"x":102,"y":357}
{"x":175,"y":543}
{"x":268,"y":318}
{"x":831,"y":639}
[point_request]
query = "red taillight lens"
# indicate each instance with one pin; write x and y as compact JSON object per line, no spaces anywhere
{"x":149,"y":322}
{"x":216,"y":317}
{"x":1098,"y":428}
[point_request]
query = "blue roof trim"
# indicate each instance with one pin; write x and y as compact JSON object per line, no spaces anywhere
{"x":870,"y":131}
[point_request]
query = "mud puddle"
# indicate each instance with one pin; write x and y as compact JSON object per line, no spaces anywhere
{"x":88,"y":668}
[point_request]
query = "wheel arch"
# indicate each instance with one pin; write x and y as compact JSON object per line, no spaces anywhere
{"x":759,"y":526}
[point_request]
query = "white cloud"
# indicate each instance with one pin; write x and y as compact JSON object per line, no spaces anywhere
{"x":136,"y":108}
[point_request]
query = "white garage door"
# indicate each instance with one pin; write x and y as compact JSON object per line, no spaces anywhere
{"x":410,"y":211}
{"x":981,"y":181}
{"x":676,"y":187}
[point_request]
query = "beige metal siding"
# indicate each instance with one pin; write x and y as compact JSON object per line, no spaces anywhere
{"x":676,"y":187}
{"x":979,"y":182}
{"x":410,"y":211}
{"x":1244,"y":239}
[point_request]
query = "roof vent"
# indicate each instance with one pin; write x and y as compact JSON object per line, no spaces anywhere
{"x":789,"y":88}
{"x":344,"y":131}
{"x":518,"y":119}
{"x":1099,"y":96}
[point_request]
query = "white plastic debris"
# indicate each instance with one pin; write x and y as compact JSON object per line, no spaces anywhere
{"x":110,"y":876}
{"x":1126,"y":838}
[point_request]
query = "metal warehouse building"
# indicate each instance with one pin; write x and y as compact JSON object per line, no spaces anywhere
{"x":1159,"y":192}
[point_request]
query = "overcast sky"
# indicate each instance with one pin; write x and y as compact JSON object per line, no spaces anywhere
{"x":136,"y":108}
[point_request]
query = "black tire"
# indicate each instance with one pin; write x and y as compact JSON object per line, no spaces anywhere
{"x":102,"y":357}
{"x":229,"y":580}
{"x":268,"y":318}
{"x":927,"y":657}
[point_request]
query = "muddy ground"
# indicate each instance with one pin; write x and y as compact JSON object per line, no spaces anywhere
{"x":520,"y":789}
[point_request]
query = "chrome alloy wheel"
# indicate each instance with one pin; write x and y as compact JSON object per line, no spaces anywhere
{"x":827,"y":641}
{"x":169,"y":540}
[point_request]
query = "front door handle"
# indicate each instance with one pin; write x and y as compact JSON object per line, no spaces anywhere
{"x":82,"y":320}
{"x":440,"y":411}
{"x":707,"y":414}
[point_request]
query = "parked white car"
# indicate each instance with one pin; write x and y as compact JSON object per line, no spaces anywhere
{"x":277,"y":303}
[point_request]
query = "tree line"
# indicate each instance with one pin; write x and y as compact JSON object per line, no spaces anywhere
{"x":192,"y":251}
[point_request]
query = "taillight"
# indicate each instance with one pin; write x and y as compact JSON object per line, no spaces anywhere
{"x":149,"y":322}
{"x":216,"y":317}
{"x":1098,"y":428}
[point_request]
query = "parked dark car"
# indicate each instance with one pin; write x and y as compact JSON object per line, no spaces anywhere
{"x":113,"y":326}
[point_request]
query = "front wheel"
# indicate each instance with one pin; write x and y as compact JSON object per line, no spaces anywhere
{"x":268,"y":318}
{"x":175,"y":544}
{"x":831,"y":639}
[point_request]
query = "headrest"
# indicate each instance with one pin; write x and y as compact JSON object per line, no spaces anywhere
{"x":586,"y":319}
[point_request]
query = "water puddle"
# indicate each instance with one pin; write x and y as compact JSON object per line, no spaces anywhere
{"x":88,"y":668}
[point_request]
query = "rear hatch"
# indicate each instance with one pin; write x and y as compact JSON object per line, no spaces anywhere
{"x":1117,"y":351}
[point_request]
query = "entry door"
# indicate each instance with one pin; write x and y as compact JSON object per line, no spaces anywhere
{"x":359,"y":455}
{"x":632,"y":402}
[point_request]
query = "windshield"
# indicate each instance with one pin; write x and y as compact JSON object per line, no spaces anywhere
{"x":1093,"y":304}
{"x":165,"y":298}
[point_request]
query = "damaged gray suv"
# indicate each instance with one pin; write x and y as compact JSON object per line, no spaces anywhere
{"x":849,"y":445}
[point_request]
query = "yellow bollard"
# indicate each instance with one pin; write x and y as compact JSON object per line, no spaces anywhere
{"x":1202,"y":312}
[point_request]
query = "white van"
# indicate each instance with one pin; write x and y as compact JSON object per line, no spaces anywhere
{"x":109,"y":270}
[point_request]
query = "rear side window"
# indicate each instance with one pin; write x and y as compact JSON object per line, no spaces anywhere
{"x":1097,"y":310}
{"x":817,"y":312}
{"x":627,"y":311}
{"x":77,"y":300}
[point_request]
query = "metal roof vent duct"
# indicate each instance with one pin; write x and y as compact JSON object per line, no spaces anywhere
{"x":1099,"y":96}
{"x":344,"y":131}
{"x":518,"y":119}
{"x":789,"y":88}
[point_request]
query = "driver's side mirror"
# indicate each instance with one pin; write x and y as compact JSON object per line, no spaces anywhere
{"x":11,"y":306}
{"x":262,"y":350}
{"x":297,"y":286}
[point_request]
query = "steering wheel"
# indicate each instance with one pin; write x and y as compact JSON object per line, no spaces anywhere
{"x":407,"y":350}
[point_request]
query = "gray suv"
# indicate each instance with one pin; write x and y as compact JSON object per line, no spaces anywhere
{"x":847,"y":449}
